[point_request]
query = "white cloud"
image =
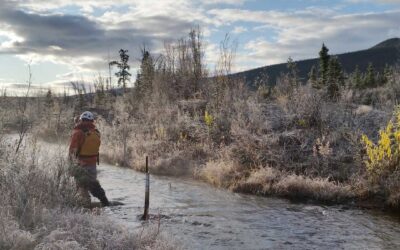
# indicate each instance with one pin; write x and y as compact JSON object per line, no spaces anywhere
{"x":300,"y":34}
{"x":274,"y":19}
{"x":239,"y":29}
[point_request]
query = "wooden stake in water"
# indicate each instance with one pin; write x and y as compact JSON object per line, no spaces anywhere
{"x":147,"y":192}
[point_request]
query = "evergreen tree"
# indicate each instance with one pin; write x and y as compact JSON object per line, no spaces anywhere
{"x":357,"y":78}
{"x":370,"y":80}
{"x":123,"y":66}
{"x":293,"y":73}
{"x":333,"y":91}
{"x":324,"y":58}
{"x":335,"y":78}
{"x":335,"y":72}
{"x":332,"y":80}
{"x":145,"y":76}
{"x":387,"y":74}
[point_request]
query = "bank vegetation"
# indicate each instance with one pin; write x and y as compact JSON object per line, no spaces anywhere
{"x":332,"y":138}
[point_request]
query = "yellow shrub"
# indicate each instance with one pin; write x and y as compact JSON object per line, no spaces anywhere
{"x":302,"y":123}
{"x":209,"y":119}
{"x":385,"y":155}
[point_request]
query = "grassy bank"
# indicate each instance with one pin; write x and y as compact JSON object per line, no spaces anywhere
{"x":299,"y":147}
{"x":40,"y":208}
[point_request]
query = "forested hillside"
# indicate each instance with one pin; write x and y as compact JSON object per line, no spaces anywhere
{"x":383,"y":54}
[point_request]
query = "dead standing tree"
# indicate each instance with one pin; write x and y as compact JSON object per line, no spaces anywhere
{"x":81,"y":94}
{"x":182,"y":66}
{"x":23,"y":122}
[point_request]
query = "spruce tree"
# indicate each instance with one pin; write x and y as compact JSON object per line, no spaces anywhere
{"x":123,"y":66}
{"x":357,"y":78}
{"x":324,"y":64}
{"x":293,"y":73}
{"x":333,"y":91}
{"x":145,"y":75}
{"x":335,"y":72}
{"x":335,"y":78}
{"x":332,"y":80}
{"x":387,"y":74}
{"x":370,"y":80}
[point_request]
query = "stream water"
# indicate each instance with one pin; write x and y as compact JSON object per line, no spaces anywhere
{"x":202,"y":217}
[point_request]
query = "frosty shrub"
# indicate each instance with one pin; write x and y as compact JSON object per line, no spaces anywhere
{"x":39,"y":208}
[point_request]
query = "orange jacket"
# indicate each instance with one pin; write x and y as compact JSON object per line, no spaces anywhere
{"x":77,"y":139}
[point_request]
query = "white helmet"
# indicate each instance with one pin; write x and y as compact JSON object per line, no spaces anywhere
{"x":87,"y":115}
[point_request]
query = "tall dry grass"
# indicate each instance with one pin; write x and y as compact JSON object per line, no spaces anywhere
{"x":40,"y":209}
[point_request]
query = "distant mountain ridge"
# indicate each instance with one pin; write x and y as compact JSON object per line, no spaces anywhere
{"x":390,"y":43}
{"x":384,"y":53}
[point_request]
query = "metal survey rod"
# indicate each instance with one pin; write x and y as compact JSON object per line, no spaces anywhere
{"x":147,"y":192}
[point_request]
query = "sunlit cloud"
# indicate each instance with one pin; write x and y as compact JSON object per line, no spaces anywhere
{"x":239,"y":29}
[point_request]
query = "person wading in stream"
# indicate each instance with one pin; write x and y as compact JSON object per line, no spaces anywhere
{"x":84,"y":154}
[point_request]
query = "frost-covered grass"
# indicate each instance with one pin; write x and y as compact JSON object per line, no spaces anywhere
{"x":39,"y":207}
{"x":270,"y":181}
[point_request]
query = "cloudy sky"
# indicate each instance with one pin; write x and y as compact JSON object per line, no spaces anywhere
{"x":66,"y":40}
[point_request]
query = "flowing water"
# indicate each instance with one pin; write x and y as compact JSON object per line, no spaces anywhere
{"x":202,"y":217}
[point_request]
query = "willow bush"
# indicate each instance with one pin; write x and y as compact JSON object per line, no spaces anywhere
{"x":383,"y":157}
